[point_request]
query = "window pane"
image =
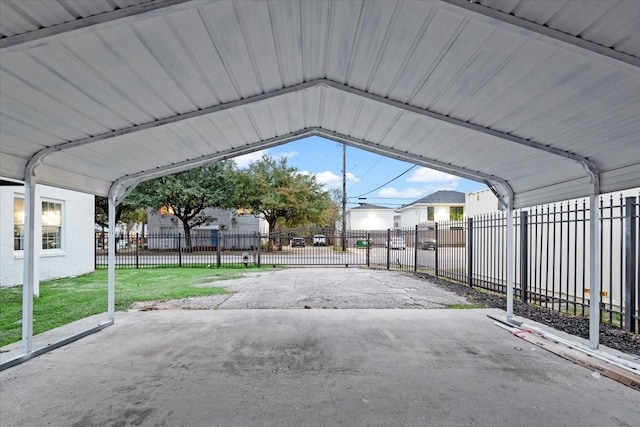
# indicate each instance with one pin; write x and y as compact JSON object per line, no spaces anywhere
{"x":50,"y":237}
{"x":456,"y":213}
{"x":18,"y":224}
{"x":18,"y":237}
{"x":430,"y":213}
{"x":51,"y":225}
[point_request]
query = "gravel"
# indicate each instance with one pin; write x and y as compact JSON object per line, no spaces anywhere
{"x":579,"y":326}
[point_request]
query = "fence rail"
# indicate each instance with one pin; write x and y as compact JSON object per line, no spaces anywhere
{"x":551,"y":253}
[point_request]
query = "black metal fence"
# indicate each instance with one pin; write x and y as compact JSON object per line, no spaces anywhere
{"x":292,"y":247}
{"x":551,"y":253}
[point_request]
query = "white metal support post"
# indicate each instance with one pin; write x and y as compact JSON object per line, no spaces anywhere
{"x":594,"y":271}
{"x":29,"y":263}
{"x":510,"y":258}
{"x":111,"y":262}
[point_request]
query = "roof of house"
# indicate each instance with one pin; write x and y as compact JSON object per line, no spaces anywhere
{"x":440,"y":197}
{"x":368,"y":206}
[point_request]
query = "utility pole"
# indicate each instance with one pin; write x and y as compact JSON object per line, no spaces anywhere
{"x":344,"y":196}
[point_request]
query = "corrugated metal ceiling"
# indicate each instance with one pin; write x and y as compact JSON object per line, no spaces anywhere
{"x":435,"y":83}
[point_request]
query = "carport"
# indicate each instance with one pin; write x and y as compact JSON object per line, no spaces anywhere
{"x":538,"y":100}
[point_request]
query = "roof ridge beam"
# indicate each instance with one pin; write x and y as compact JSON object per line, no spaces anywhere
{"x":38,"y":157}
{"x":512,"y":21}
{"x":124,"y":185}
{"x":419,"y":160}
{"x":103,"y":20}
{"x":587,"y":164}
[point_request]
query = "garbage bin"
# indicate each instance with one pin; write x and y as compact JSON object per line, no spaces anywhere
{"x":362,"y":244}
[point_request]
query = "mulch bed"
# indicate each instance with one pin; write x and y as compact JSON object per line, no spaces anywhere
{"x":610,"y":336}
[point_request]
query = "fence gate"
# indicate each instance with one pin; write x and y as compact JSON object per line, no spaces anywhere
{"x":314,"y":246}
{"x":287,"y":247}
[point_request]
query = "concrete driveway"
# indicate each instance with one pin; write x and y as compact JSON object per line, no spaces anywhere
{"x":288,"y":367}
{"x":320,"y":288}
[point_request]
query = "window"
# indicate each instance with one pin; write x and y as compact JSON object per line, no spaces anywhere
{"x":456,"y":213}
{"x":51,"y":224}
{"x":431,"y":213}
{"x":18,"y":224}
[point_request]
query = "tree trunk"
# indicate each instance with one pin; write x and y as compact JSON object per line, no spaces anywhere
{"x":187,"y":236}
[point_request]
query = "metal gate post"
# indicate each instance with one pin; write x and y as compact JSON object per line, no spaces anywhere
{"x":437,"y":244}
{"x":470,"y":251}
{"x":180,"y":250}
{"x":631,"y":261}
{"x":218,"y":255}
{"x":415,"y":250}
{"x":259,"y":246}
{"x":594,"y":272}
{"x":524,"y":257}
{"x":368,"y":250}
{"x":388,"y":248}
{"x":137,"y":251}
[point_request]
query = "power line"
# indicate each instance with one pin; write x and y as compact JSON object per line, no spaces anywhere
{"x":388,"y":182}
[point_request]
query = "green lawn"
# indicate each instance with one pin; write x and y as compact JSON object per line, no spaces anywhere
{"x":64,"y":300}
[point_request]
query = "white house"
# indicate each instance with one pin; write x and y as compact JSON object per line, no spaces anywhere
{"x":64,"y":219}
{"x":239,"y":229}
{"x":370,"y":217}
{"x":442,"y":205}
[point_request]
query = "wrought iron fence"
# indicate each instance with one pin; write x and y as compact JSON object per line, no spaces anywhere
{"x":551,"y":253}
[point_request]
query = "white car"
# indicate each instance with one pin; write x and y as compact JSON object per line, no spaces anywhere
{"x":319,"y":240}
{"x":396,"y":243}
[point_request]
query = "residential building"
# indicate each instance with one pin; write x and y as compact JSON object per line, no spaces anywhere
{"x":239,"y":229}
{"x":64,"y":220}
{"x":370,"y":217}
{"x":444,"y":205}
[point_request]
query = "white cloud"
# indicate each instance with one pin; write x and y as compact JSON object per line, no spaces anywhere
{"x":393,"y":193}
{"x":430,"y":176}
{"x":246,"y":159}
{"x":417,"y":193}
{"x":330,"y":180}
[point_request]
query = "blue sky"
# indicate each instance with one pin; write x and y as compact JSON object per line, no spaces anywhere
{"x":365,"y":172}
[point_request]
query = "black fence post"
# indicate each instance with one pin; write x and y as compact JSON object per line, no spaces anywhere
{"x":437,"y":244}
{"x":259,"y":246}
{"x":415,"y":251}
{"x":137,"y":252}
{"x":368,"y":250}
{"x":470,"y":251}
{"x":218,"y":254}
{"x":524,"y":257}
{"x":388,"y":248}
{"x":631,"y":260}
{"x":179,"y":250}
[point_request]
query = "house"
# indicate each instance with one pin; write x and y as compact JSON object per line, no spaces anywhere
{"x":444,"y":205}
{"x":238,"y":228}
{"x":370,"y":217}
{"x":65,"y":221}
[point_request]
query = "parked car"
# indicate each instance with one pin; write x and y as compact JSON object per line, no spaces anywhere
{"x":297,"y":242}
{"x":319,"y":240}
{"x":396,"y":243}
{"x":428,"y":244}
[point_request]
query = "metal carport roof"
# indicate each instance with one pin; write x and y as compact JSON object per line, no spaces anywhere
{"x":91,"y":94}
{"x":539,"y":99}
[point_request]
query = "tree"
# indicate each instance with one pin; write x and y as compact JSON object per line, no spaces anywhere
{"x":281,"y":193}
{"x":187,"y":194}
{"x":124,"y":211}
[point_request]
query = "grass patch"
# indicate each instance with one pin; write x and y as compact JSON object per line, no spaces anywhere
{"x":465,"y":306}
{"x":65,"y":300}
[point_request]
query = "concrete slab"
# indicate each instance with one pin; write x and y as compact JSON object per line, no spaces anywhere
{"x":308,"y":367}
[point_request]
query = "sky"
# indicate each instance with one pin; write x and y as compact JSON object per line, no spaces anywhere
{"x":371,"y":178}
